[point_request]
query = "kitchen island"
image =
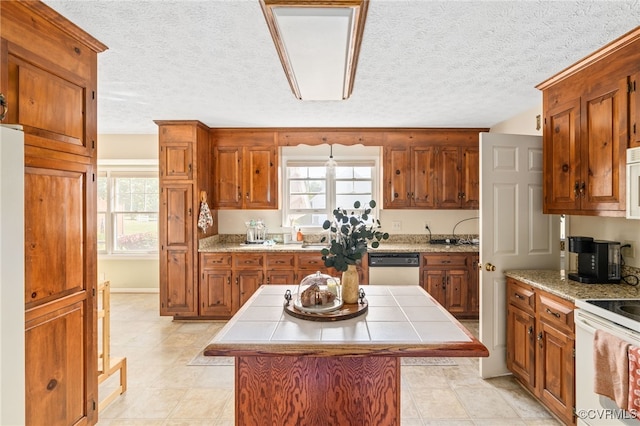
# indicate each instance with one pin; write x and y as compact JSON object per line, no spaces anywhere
{"x":295,"y":371}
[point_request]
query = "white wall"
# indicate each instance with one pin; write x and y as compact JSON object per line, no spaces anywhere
{"x":524,"y":123}
{"x":411,"y":221}
{"x":129,"y":274}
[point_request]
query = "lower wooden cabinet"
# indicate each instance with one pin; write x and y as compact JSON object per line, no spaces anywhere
{"x":451,"y":278}
{"x":228,"y":280}
{"x":541,"y":345}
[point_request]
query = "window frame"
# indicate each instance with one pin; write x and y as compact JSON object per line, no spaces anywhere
{"x":315,"y":161}
{"x":112,"y":169}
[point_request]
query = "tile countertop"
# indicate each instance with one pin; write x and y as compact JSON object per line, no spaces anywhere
{"x":400,"y":321}
{"x":551,"y":281}
{"x":212,"y":246}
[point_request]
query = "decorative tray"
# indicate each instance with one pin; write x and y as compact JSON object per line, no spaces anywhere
{"x":335,"y":311}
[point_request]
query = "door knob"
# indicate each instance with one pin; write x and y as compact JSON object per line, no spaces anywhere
{"x":489,"y":267}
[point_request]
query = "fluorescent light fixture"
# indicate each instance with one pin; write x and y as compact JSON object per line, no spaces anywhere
{"x":318,"y":43}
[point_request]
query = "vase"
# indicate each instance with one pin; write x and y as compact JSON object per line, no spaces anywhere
{"x":350,"y":283}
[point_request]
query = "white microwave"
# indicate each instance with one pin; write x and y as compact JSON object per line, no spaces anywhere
{"x":633,"y":183}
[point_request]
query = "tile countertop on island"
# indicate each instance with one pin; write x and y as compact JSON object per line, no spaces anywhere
{"x":553,"y":282}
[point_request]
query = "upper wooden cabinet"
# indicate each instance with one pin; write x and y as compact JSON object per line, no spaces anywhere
{"x":431,"y":170}
{"x":246,"y":169}
{"x":590,"y":119}
{"x":408,"y":176}
{"x":458,"y":177}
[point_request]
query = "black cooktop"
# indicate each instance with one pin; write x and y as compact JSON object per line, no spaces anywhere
{"x":629,"y":308}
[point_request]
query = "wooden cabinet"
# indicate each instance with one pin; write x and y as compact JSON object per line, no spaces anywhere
{"x":540,"y":346}
{"x":185,"y":157}
{"x":246,"y":169}
{"x":458,"y":177}
{"x":49,"y":79}
{"x":227,"y":281}
{"x":590,"y":118}
{"x":408,"y":175}
{"x":420,"y":171}
{"x":448,"y":278}
{"x":280,"y":268}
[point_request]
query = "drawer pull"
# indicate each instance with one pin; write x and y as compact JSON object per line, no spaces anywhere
{"x":555,"y":314}
{"x":519,"y":296}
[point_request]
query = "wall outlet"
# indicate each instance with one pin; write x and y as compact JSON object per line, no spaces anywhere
{"x":628,"y":252}
{"x":396,"y":225}
{"x":427,"y":226}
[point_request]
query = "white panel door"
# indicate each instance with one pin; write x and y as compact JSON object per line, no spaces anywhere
{"x":514,"y":233}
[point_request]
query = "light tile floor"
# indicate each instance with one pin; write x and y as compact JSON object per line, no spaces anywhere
{"x":164,"y":391}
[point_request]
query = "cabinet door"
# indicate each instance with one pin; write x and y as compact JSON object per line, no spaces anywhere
{"x":397,"y":177}
{"x":561,"y":158}
{"x":217,"y":296}
{"x":473,"y":301}
{"x":435,"y":283}
{"x":555,"y":371}
{"x":177,"y":295}
{"x":56,"y":362}
{"x":228,"y":162}
{"x":456,"y":292}
{"x":50,"y":107}
{"x":603,"y":148}
{"x":57,"y":229}
{"x":448,"y":176}
{"x":422,"y":169}
{"x":248,"y":282}
{"x":470,"y":195}
{"x":176,"y":161}
{"x":521,"y":334}
{"x":260,"y":177}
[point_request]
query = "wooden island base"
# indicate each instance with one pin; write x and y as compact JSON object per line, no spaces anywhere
{"x":288,"y":390}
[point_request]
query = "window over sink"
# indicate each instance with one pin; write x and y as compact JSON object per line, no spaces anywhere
{"x":311,"y":191}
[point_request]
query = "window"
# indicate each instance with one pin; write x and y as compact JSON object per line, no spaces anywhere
{"x":127,"y":211}
{"x":311,"y":194}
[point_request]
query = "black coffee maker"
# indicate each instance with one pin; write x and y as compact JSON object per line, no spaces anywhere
{"x":598,"y":260}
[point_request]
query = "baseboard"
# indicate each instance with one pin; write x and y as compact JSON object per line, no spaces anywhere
{"x":134,"y":290}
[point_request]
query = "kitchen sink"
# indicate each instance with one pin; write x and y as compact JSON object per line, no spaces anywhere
{"x":631,"y":310}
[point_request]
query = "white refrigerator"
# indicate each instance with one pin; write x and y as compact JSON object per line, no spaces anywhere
{"x":12,"y":369}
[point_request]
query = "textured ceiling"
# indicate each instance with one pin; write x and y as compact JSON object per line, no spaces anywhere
{"x":422,"y":63}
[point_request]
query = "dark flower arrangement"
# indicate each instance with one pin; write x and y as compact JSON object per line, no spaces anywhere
{"x":350,"y":234}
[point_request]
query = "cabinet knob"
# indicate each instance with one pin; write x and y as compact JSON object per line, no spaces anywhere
{"x":530,"y":330}
{"x":397,"y":172}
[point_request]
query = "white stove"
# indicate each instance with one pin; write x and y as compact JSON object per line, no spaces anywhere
{"x":621,"y":318}
{"x":625,"y":312}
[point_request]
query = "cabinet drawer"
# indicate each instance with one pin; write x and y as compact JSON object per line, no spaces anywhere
{"x":555,"y":311}
{"x":521,"y":296}
{"x":444,"y":260}
{"x":248,"y":261}
{"x":310,"y":261}
{"x":280,"y":261}
{"x":215,"y":260}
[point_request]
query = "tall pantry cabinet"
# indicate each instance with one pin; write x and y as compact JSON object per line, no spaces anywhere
{"x":185,"y":182}
{"x":48,"y":69}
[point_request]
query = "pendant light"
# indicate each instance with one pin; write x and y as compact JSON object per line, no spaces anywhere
{"x":331,"y":164}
